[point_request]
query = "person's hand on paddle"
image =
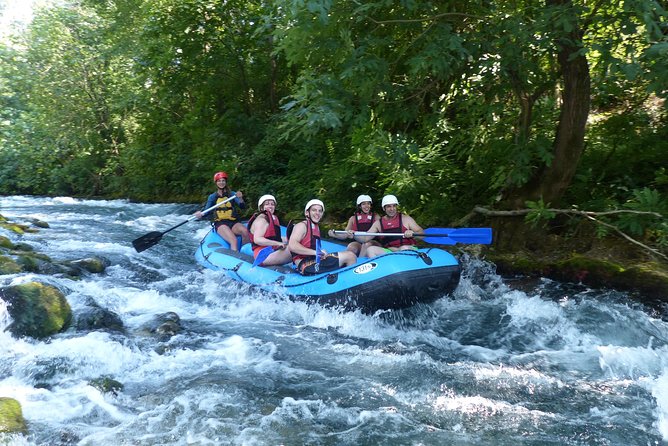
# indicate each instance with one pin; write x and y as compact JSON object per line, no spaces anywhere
{"x":409,"y":233}
{"x":349,"y":234}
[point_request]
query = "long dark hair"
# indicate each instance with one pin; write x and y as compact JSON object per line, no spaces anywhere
{"x":226,"y":190}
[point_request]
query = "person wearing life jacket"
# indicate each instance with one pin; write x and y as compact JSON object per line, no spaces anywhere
{"x":361,"y":221}
{"x":393,"y":222}
{"x":225,"y":218}
{"x":265,"y":230}
{"x":303,"y":242}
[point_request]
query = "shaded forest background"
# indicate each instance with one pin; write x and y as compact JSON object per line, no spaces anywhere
{"x":447,"y":104}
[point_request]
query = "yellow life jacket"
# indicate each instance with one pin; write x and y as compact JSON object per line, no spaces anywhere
{"x":225,"y":212}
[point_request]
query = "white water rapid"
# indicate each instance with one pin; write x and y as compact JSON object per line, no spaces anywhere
{"x":501,"y":362}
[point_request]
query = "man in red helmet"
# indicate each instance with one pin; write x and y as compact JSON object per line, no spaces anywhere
{"x":226,"y":216}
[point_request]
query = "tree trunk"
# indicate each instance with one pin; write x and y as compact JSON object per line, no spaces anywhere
{"x":551,"y":181}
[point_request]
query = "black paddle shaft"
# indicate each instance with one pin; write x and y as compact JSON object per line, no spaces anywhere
{"x":146,"y":241}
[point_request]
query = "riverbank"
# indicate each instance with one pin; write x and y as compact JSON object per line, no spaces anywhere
{"x":581,"y":257}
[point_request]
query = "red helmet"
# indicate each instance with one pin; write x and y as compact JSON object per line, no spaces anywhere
{"x":219,"y":175}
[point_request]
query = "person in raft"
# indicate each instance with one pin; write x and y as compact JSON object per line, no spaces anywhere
{"x":303,"y":241}
{"x":225,"y":217}
{"x":361,"y":220}
{"x":265,"y":231}
{"x":392,"y":222}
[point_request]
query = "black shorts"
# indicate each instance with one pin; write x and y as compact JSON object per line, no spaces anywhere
{"x":228,"y":223}
{"x":308,"y":267}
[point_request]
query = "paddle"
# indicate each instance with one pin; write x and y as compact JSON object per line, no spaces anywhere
{"x":443,"y":236}
{"x":262,"y":256}
{"x":318,"y":254}
{"x":146,"y":241}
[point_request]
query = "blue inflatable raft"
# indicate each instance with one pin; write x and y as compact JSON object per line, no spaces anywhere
{"x":390,"y":281}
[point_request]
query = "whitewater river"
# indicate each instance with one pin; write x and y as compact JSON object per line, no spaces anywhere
{"x":501,"y":362}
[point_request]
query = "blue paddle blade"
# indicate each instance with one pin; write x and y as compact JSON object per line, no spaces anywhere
{"x":450,"y":236}
{"x":318,"y":254}
{"x":262,"y":256}
{"x":440,"y":240}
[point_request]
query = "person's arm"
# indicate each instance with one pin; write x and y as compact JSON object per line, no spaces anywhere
{"x":259,"y":229}
{"x":411,"y":225}
{"x":210,"y":201}
{"x":349,"y":229}
{"x":239,"y":199}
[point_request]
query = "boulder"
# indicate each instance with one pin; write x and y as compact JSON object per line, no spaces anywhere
{"x":6,"y":243}
{"x":94,"y":317}
{"x":163,"y":326}
{"x":94,"y":265}
{"x":11,"y":417}
{"x":9,"y":266}
{"x":37,"y":310}
{"x":106,"y":384}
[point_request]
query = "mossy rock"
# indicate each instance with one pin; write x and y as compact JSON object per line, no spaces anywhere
{"x":19,"y":229}
{"x":9,"y":266}
{"x":106,"y":384}
{"x":11,"y":417}
{"x":28,"y":263}
{"x":40,"y":224}
{"x":94,"y":317}
{"x":94,"y":265}
{"x":594,"y":271}
{"x":23,"y":247}
{"x":649,"y":278}
{"x":37,"y":310}
{"x":6,"y":243}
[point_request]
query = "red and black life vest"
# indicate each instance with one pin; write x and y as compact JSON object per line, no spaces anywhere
{"x":362,"y":222}
{"x":394,"y":226}
{"x":309,"y":240}
{"x":273,"y":231}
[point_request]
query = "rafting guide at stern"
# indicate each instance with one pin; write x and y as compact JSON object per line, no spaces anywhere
{"x":304,"y":242}
{"x":226,"y":216}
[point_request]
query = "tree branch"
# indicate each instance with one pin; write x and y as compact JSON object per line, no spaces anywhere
{"x":425,"y":19}
{"x":587,"y":214}
{"x":519,"y":212}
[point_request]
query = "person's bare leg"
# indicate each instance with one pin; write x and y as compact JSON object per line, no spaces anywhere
{"x":229,"y":236}
{"x":241,"y":230}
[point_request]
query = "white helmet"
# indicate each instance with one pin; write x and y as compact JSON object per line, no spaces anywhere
{"x":362,"y":198}
{"x":265,"y":198}
{"x":312,"y":202}
{"x":389,"y":199}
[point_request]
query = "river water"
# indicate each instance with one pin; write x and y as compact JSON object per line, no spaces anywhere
{"x":500,"y":362}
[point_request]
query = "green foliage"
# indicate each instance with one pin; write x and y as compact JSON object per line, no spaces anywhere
{"x":445,"y":104}
{"x":644,"y":200}
{"x":540,"y":213}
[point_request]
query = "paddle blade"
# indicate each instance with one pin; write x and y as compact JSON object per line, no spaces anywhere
{"x":262,"y":256}
{"x":439,"y":240}
{"x":318,"y":254}
{"x":450,"y":236}
{"x":146,"y":241}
